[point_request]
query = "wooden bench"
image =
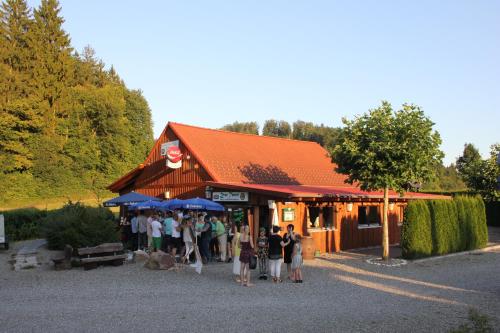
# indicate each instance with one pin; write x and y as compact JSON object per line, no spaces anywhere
{"x":107,"y":253}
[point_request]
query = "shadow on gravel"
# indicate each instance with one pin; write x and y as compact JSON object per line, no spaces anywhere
{"x":353,"y":275}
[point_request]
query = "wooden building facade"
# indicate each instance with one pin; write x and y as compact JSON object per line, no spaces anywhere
{"x":272,"y":180}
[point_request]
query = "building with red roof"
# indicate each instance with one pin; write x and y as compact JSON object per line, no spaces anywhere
{"x":269,"y":179}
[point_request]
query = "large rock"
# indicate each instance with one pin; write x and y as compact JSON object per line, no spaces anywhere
{"x":160,"y":260}
{"x":141,"y":256}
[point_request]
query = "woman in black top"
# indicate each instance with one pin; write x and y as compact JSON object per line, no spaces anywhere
{"x":289,"y":238}
{"x":276,"y":245}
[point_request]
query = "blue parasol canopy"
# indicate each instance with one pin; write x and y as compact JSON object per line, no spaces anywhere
{"x":128,"y":199}
{"x":150,"y":204}
{"x":172,"y":204}
{"x":199,"y":203}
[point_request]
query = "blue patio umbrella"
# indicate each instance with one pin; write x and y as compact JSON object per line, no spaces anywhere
{"x":128,"y":199}
{"x":199,"y":203}
{"x":172,"y":204}
{"x":150,"y":204}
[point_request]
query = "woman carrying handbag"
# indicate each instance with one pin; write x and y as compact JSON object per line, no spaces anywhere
{"x":246,"y":255}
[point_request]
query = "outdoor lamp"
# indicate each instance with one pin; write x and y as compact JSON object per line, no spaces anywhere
{"x":391,"y":206}
{"x":167,"y":194}
{"x":349,"y":207}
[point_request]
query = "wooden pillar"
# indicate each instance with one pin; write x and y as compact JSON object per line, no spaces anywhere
{"x":256,"y":222}
{"x":320,"y":216}
{"x":270,"y":217}
{"x":338,"y":226}
{"x":250,"y":221}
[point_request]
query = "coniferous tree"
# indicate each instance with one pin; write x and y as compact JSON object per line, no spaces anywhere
{"x":67,"y":124}
{"x":14,"y":54}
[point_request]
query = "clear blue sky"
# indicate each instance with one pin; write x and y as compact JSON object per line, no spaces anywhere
{"x":209,"y":63}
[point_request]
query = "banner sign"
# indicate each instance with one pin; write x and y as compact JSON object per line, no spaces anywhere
{"x":166,"y":145}
{"x":230,"y":196}
{"x":174,"y":157}
{"x":288,"y":214}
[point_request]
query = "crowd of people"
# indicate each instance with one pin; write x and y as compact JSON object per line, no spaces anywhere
{"x":181,"y":233}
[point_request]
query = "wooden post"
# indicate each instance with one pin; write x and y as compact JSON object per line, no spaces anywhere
{"x":256,"y":223}
{"x":385,"y":227}
{"x":270,"y":217}
{"x":320,"y":216}
{"x":250,"y":222}
{"x":337,"y":223}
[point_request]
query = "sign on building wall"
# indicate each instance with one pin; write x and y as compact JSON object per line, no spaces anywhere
{"x":164,"y":146}
{"x":288,"y":214}
{"x":230,"y":196}
{"x":173,"y":153}
{"x":174,"y":157}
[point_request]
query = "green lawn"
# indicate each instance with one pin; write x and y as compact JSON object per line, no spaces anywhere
{"x":52,"y":203}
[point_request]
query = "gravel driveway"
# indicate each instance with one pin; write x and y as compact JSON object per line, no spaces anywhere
{"x":341,"y":293}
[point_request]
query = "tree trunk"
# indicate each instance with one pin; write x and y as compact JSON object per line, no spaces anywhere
{"x":385,"y":226}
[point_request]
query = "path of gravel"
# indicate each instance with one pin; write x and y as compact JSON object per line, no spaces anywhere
{"x":340,"y":294}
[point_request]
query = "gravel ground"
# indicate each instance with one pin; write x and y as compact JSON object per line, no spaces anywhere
{"x":341,"y":293}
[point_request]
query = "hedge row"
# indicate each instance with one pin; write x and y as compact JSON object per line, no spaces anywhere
{"x":22,"y":224}
{"x":74,"y":224}
{"x":436,"y":227}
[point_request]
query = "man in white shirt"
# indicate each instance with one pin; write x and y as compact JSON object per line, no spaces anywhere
{"x":142,"y":221}
{"x":156,"y":228}
{"x":134,"y":224}
{"x":176,"y":234}
{"x":149,"y":230}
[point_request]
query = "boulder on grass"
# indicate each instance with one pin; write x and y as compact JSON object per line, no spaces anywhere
{"x":160,"y":260}
{"x":141,"y":256}
{"x":152,"y":263}
{"x":165,"y":260}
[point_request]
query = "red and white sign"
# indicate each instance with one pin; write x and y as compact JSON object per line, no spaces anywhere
{"x":174,"y":157}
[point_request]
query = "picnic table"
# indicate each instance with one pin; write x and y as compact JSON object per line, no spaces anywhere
{"x":106,"y":253}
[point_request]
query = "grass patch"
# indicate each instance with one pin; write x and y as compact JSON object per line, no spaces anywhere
{"x":476,"y":323}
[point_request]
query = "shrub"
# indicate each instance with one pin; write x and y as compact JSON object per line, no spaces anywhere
{"x":463,"y":226}
{"x":443,"y":226}
{"x":416,"y":237}
{"x":79,"y":226}
{"x":477,"y":323}
{"x":455,"y":241}
{"x":22,"y":224}
{"x":474,"y":230}
{"x":482,"y":227}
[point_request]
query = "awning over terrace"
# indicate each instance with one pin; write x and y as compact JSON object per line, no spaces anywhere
{"x":308,"y":191}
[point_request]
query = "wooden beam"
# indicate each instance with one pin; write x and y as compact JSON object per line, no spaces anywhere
{"x":105,"y":258}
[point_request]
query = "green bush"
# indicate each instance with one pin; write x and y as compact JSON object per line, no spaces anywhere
{"x":416,"y":237}
{"x":22,"y":224}
{"x":482,"y":226}
{"x":455,"y":240}
{"x":440,"y":226}
{"x":79,"y":226}
{"x":463,"y":226}
{"x":437,"y":227}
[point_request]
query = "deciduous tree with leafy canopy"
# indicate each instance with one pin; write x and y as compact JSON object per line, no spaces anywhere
{"x":385,"y":149}
{"x":481,"y":176}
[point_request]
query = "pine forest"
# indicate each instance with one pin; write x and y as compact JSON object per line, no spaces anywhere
{"x":67,"y":123}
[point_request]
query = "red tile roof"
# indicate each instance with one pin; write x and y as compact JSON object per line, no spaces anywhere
{"x":252,"y":159}
{"x":305,"y":191}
